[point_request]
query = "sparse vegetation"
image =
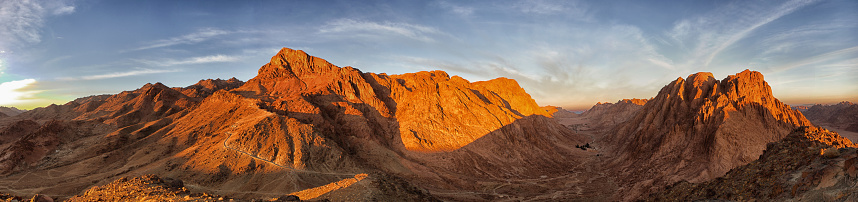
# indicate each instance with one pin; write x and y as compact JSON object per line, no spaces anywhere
{"x":585,"y":147}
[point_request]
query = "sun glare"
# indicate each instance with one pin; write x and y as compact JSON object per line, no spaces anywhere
{"x":13,"y":92}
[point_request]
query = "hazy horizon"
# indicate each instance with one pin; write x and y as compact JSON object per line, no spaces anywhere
{"x":571,"y":54}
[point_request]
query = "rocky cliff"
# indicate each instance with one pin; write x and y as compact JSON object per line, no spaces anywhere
{"x":697,"y":129}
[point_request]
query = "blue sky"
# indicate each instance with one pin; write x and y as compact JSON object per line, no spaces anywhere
{"x":564,"y":53}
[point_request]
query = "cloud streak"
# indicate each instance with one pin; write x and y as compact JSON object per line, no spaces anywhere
{"x":709,"y":35}
{"x":192,"y":38}
{"x":192,"y":61}
{"x":779,"y":12}
{"x":21,"y":21}
{"x":457,"y":9}
{"x":119,"y":74}
{"x":352,"y":28}
{"x":834,"y":55}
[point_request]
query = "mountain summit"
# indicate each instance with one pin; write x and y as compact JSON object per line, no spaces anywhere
{"x":698,"y":128}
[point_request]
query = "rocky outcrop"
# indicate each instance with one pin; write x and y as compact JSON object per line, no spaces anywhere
{"x":143,"y":188}
{"x":843,"y":115}
{"x":808,"y":164}
{"x":697,"y":129}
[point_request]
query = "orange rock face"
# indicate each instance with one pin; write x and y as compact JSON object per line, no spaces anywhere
{"x":698,"y":128}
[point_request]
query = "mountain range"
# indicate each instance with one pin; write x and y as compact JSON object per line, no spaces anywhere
{"x":305,"y":128}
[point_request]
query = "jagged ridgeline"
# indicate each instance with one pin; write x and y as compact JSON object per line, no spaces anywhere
{"x":306,"y":129}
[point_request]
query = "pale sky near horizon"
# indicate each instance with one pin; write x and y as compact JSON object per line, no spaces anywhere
{"x":564,"y":53}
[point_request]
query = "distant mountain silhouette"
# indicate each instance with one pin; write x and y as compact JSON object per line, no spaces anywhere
{"x":842,"y":116}
{"x":10,"y":111}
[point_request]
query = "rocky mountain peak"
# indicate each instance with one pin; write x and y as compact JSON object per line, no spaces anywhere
{"x":718,"y":125}
{"x":747,"y":86}
{"x":632,"y":101}
{"x":295,"y":63}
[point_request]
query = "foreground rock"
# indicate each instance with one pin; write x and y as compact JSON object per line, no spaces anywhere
{"x":809,"y":164}
{"x":144,"y":188}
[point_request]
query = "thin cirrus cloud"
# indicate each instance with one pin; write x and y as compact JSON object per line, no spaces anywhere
{"x":457,"y":9}
{"x":358,"y":28}
{"x":192,"y":61}
{"x":119,"y":74}
{"x":822,"y":58}
{"x":21,"y":21}
{"x":545,"y":6}
{"x":192,"y":38}
{"x":709,"y":35}
{"x":802,"y":36}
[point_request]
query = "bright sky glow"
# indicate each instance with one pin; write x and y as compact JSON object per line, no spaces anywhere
{"x":13,"y":92}
{"x":564,"y":53}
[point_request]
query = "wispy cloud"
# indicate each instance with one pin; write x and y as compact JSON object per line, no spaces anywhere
{"x":847,"y":53}
{"x":804,"y":37}
{"x":708,"y":35}
{"x":21,"y":20}
{"x":779,"y":12}
{"x":120,"y":74}
{"x":357,"y":28}
{"x":552,"y":7}
{"x":17,"y":92}
{"x":192,"y":38}
{"x":426,"y":63}
{"x":539,"y":6}
{"x":457,"y":9}
{"x":191,"y":61}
